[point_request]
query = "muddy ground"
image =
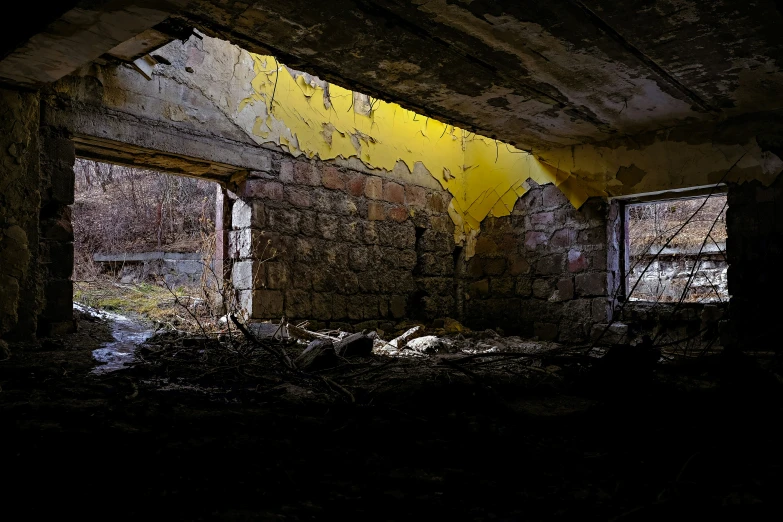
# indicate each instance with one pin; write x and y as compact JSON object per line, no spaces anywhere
{"x":199,"y":430}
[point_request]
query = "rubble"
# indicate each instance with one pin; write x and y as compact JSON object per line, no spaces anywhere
{"x":356,"y":345}
{"x":318,"y":355}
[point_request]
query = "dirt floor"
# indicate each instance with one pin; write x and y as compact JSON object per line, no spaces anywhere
{"x":197,"y":429}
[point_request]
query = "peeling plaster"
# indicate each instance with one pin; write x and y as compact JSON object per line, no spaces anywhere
{"x":484,"y":176}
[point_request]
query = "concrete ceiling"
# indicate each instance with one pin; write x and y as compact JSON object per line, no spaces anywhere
{"x":538,"y":74}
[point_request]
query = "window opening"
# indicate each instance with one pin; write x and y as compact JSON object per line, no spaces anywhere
{"x":676,"y":250}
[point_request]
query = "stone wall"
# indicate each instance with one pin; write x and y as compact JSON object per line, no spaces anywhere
{"x":349,"y":246}
{"x":353,"y":247}
{"x":20,"y":295}
{"x":754,"y":222}
{"x":56,"y":240}
{"x":546,"y":270}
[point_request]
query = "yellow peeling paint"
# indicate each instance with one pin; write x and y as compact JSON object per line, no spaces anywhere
{"x":484,"y":176}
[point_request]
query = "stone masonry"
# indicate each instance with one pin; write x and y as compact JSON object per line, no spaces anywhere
{"x":314,"y":241}
{"x":546,"y":270}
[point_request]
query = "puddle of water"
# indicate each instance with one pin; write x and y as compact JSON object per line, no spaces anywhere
{"x":128,"y":335}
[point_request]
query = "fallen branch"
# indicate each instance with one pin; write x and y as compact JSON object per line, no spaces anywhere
{"x":281,"y":355}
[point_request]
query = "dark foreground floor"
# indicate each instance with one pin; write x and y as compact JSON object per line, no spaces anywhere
{"x":697,"y":442}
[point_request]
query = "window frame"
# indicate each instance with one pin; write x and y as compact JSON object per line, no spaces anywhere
{"x":627,"y":202}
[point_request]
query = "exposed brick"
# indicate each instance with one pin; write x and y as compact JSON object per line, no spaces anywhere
{"x":306,"y":174}
{"x":393,"y":192}
{"x":373,"y":187}
{"x":355,"y":185}
{"x":416,"y":196}
{"x":375,"y":211}
{"x":333,"y":178}
{"x":396,"y":213}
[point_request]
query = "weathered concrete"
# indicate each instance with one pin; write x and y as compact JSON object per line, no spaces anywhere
{"x":80,"y":34}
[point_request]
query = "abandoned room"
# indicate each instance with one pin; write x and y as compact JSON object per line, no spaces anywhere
{"x":391,"y":260}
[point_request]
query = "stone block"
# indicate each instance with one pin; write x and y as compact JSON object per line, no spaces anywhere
{"x":261,"y":188}
{"x":577,"y":261}
{"x":332,"y":178}
{"x":393,"y":192}
{"x":373,"y":188}
{"x":563,"y":238}
{"x":542,"y":218}
{"x":302,"y":277}
{"x":277,"y":275}
{"x":438,"y":201}
{"x":283,"y":221}
{"x":267,"y":304}
{"x":479,"y":289}
{"x":494,"y":266}
{"x":591,"y":284}
{"x":307,"y":223}
{"x":247,"y":213}
{"x":397,"y":213}
{"x":524,"y":286}
{"x":354,"y":184}
{"x":553,"y":197}
{"x":248,"y":275}
{"x":550,"y":265}
{"x":299,"y":196}
{"x":287,"y":171}
{"x":501,"y":286}
{"x":564,"y":290}
{"x":518,"y":266}
{"x":327,"y":226}
{"x":306,"y":174}
{"x":545,"y":331}
{"x":376,"y":211}
{"x":397,"y":306}
{"x":298,"y":304}
{"x":359,"y":258}
{"x":543,"y":288}
{"x":416,"y":196}
{"x":592,"y":236}
{"x":339,"y":307}
{"x":322,"y":307}
{"x":534,"y":240}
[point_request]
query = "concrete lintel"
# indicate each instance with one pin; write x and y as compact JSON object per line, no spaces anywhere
{"x":117,"y":137}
